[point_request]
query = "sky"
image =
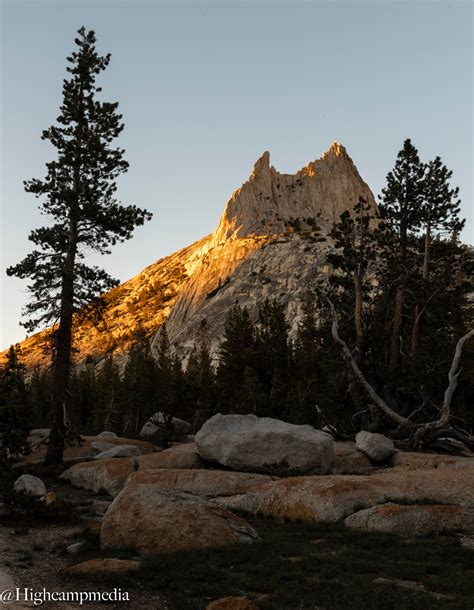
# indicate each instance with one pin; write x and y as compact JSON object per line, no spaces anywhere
{"x":205,"y":87}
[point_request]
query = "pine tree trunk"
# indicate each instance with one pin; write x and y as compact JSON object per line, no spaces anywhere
{"x":62,"y":356}
{"x":416,"y":330}
{"x":354,"y":388}
{"x":397,"y":327}
{"x":359,"y":328}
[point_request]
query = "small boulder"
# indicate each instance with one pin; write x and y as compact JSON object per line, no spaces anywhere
{"x":232,"y":603}
{"x":76,"y":548}
{"x":30,"y":485}
{"x":96,"y":568}
{"x":180,"y":456}
{"x":154,"y":520}
{"x":375,"y":446}
{"x":118,"y":451}
{"x":262,"y":444}
{"x":107,"y":433}
{"x":101,"y":475}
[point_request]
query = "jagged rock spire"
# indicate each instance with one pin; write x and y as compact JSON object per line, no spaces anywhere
{"x":269,"y":201}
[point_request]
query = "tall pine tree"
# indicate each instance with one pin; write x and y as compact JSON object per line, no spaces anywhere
{"x":401,"y":207}
{"x":79,"y":196}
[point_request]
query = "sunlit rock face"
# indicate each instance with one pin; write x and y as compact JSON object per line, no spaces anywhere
{"x":271,"y":241}
{"x":270,"y":202}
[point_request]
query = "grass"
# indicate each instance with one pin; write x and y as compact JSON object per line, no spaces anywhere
{"x":296,"y":567}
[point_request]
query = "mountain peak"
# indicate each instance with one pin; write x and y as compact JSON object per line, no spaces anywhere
{"x":270,"y":202}
{"x":261,"y":165}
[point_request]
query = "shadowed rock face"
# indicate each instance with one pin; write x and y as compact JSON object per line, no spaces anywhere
{"x":265,"y":244}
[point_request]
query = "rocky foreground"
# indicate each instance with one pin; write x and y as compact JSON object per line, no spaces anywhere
{"x":201,"y":493}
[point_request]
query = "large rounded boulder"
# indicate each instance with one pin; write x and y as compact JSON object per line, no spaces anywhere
{"x":262,"y":444}
{"x":154,"y":520}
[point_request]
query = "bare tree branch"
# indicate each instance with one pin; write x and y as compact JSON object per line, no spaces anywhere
{"x":419,"y":431}
{"x":383,"y":406}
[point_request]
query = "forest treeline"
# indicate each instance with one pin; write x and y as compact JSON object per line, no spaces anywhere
{"x":401,"y":286}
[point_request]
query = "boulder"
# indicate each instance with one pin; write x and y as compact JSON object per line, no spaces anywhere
{"x":232,"y":603}
{"x":118,"y":451}
{"x":331,"y":498}
{"x":413,"y":520}
{"x":180,"y":456}
{"x":38,"y":435}
{"x":76,"y":548}
{"x":102,"y":446}
{"x":154,"y":520}
{"x":30,"y":485}
{"x":96,"y":568}
{"x":250,"y":443}
{"x":101,"y":475}
{"x":205,"y":483}
{"x":349,"y":460}
{"x":157,"y":427}
{"x":375,"y":446}
{"x":107,"y":434}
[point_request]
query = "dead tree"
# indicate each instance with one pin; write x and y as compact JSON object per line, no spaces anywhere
{"x":420,"y":434}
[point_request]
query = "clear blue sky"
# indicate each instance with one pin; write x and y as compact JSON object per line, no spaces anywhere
{"x":206,"y":87}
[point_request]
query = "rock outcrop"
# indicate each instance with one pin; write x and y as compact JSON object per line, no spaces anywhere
{"x":271,"y":241}
{"x":107,"y":476}
{"x":332,"y":498}
{"x":413,"y":520}
{"x":262,"y":444}
{"x":180,"y":456}
{"x":118,"y":451}
{"x":98,"y":568}
{"x":204,"y":483}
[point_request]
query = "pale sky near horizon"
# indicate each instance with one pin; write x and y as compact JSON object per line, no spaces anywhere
{"x":205,"y":87}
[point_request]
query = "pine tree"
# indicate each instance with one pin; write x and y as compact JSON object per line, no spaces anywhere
{"x":401,"y":207}
{"x":105,"y":414}
{"x":200,"y":383}
{"x":139,"y":386}
{"x":15,"y":421}
{"x":236,"y":354}
{"x":79,"y":192}
{"x":272,"y":354}
{"x":440,"y":210}
{"x":39,"y":393}
{"x":356,"y":252}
